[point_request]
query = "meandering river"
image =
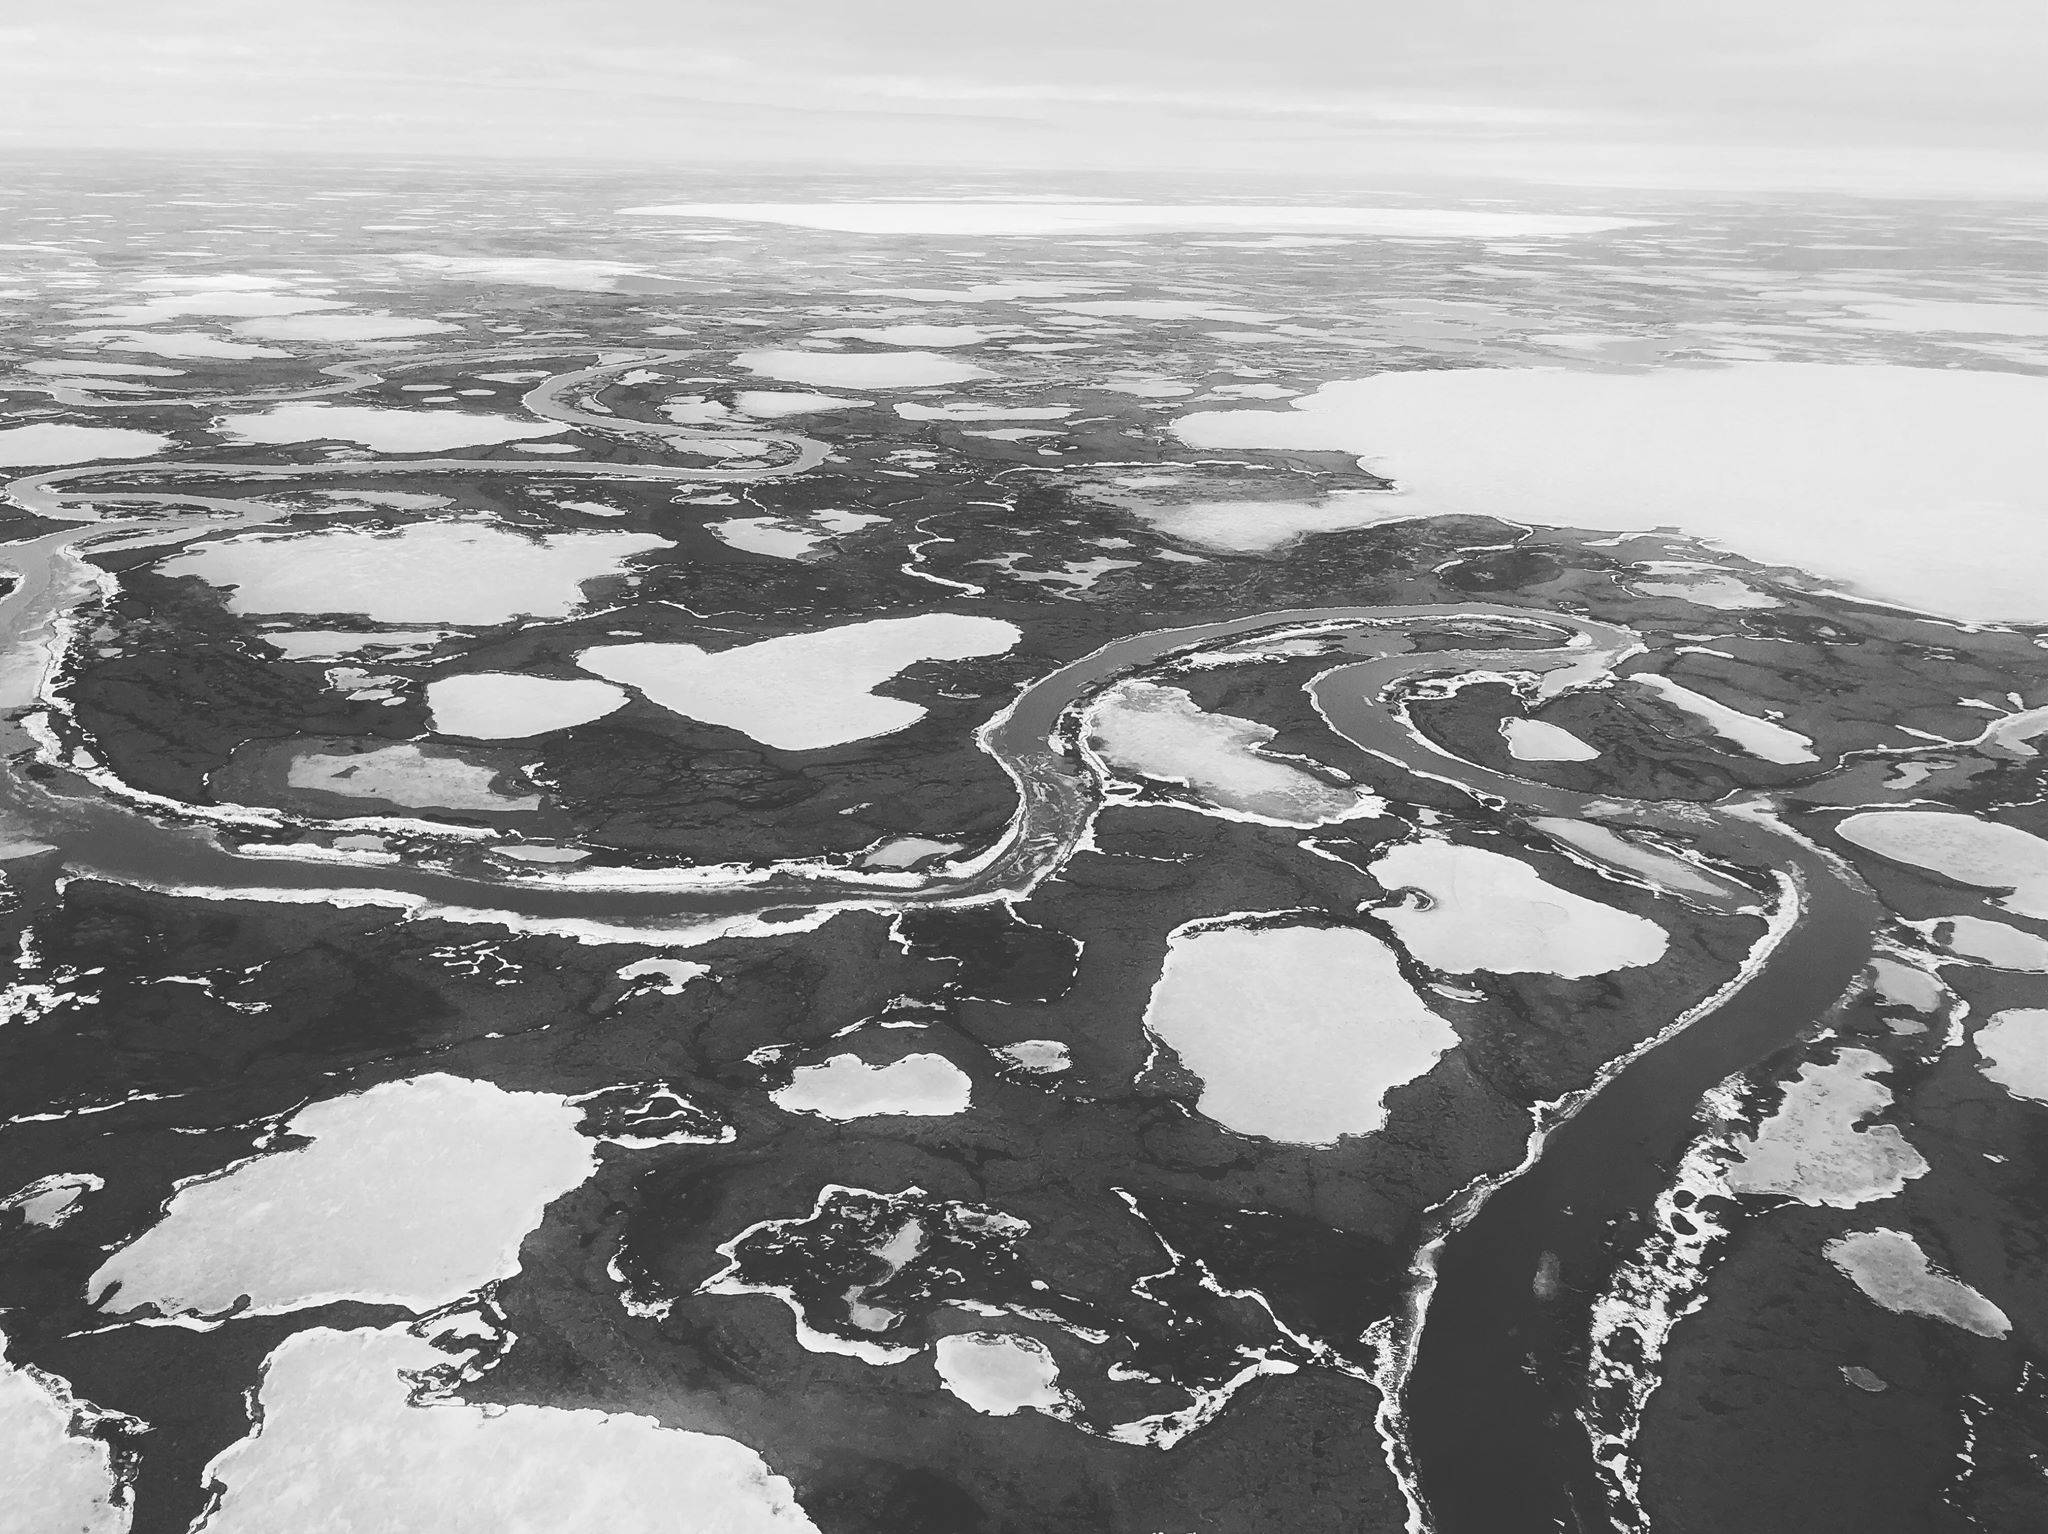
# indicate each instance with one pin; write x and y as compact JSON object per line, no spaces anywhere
{"x":1482,"y":1381}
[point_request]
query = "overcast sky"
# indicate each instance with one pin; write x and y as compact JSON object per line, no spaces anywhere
{"x":1877,"y":95}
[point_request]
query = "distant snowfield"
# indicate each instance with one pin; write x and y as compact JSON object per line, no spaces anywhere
{"x":381,"y":429}
{"x":52,"y":442}
{"x":338,"y":327}
{"x":339,"y":1431}
{"x":861,"y":370}
{"x":802,"y":692}
{"x":1920,"y":486}
{"x":411,"y":1193}
{"x":1296,"y":1033}
{"x":1054,"y":218}
{"x":1924,"y":316}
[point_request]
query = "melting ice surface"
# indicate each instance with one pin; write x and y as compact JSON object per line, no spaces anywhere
{"x":338,"y":327}
{"x":50,"y":1477}
{"x":51,"y":443}
{"x":802,"y":692}
{"x":347,"y":1440}
{"x":382,"y":429}
{"x":861,"y":370}
{"x":1487,"y":911}
{"x":446,"y":572}
{"x":411,"y":1193}
{"x":2014,"y":1047}
{"x":1161,"y":733}
{"x":1000,"y":1375}
{"x":847,"y":1087}
{"x":1264,"y":527}
{"x":1889,"y":1266}
{"x":767,"y":404}
{"x":1296,"y":1033}
{"x":1983,"y":853}
{"x":1815,"y":1147}
{"x":1531,"y":740}
{"x":1759,"y":737}
{"x":502,"y":705}
{"x":407,"y":774}
{"x":1915,"y":485}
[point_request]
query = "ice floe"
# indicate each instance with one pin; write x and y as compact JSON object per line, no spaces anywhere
{"x":447,"y":572}
{"x":999,"y":1374}
{"x":1262,"y":527}
{"x":1991,"y":943}
{"x":338,"y":327}
{"x":861,"y":370}
{"x":350,"y":1433}
{"x":410,"y":1193}
{"x":665,"y":977}
{"x":802,"y":692}
{"x":767,"y":404}
{"x":847,"y":1087}
{"x":1531,"y":740}
{"x":382,"y":429}
{"x":1045,"y":1057}
{"x":1761,"y":738}
{"x":1914,"y":485}
{"x":2014,"y":1047}
{"x":52,"y":1480}
{"x":1816,"y":1148}
{"x":1890,"y":1267}
{"x":1150,"y":731}
{"x":418,"y":777}
{"x":1296,"y":1033}
{"x":47,"y":443}
{"x":50,"y":1201}
{"x":1982,"y":853}
{"x":1487,"y":911}
{"x":502,"y":705}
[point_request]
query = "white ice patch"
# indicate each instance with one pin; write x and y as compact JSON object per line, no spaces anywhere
{"x":861,"y":370}
{"x":1915,"y":485}
{"x":1487,"y":911}
{"x":338,"y":327}
{"x":406,"y":774}
{"x":1816,"y":1148}
{"x":1296,"y":1033}
{"x":1155,"y":732}
{"x":1981,"y":853}
{"x":802,"y":692}
{"x":52,"y":1480}
{"x":351,"y":1435}
{"x":382,"y":429}
{"x":50,"y":442}
{"x":665,"y":977}
{"x":1000,"y":1375}
{"x":447,"y":572}
{"x":1042,"y":1057}
{"x":1988,"y":942}
{"x":411,"y":1193}
{"x":179,"y":343}
{"x":1759,"y":737}
{"x":941,"y":336}
{"x":2013,"y":1045}
{"x":501,"y":705}
{"x":975,"y":410}
{"x":908,"y":851}
{"x":767,"y":404}
{"x":1929,"y":316}
{"x":50,"y":1201}
{"x":1531,"y":740}
{"x":1058,"y":218}
{"x":1262,"y":527}
{"x":847,"y":1087}
{"x":1889,"y":1266}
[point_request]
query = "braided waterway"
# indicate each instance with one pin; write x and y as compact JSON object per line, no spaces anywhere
{"x":1480,"y":1378}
